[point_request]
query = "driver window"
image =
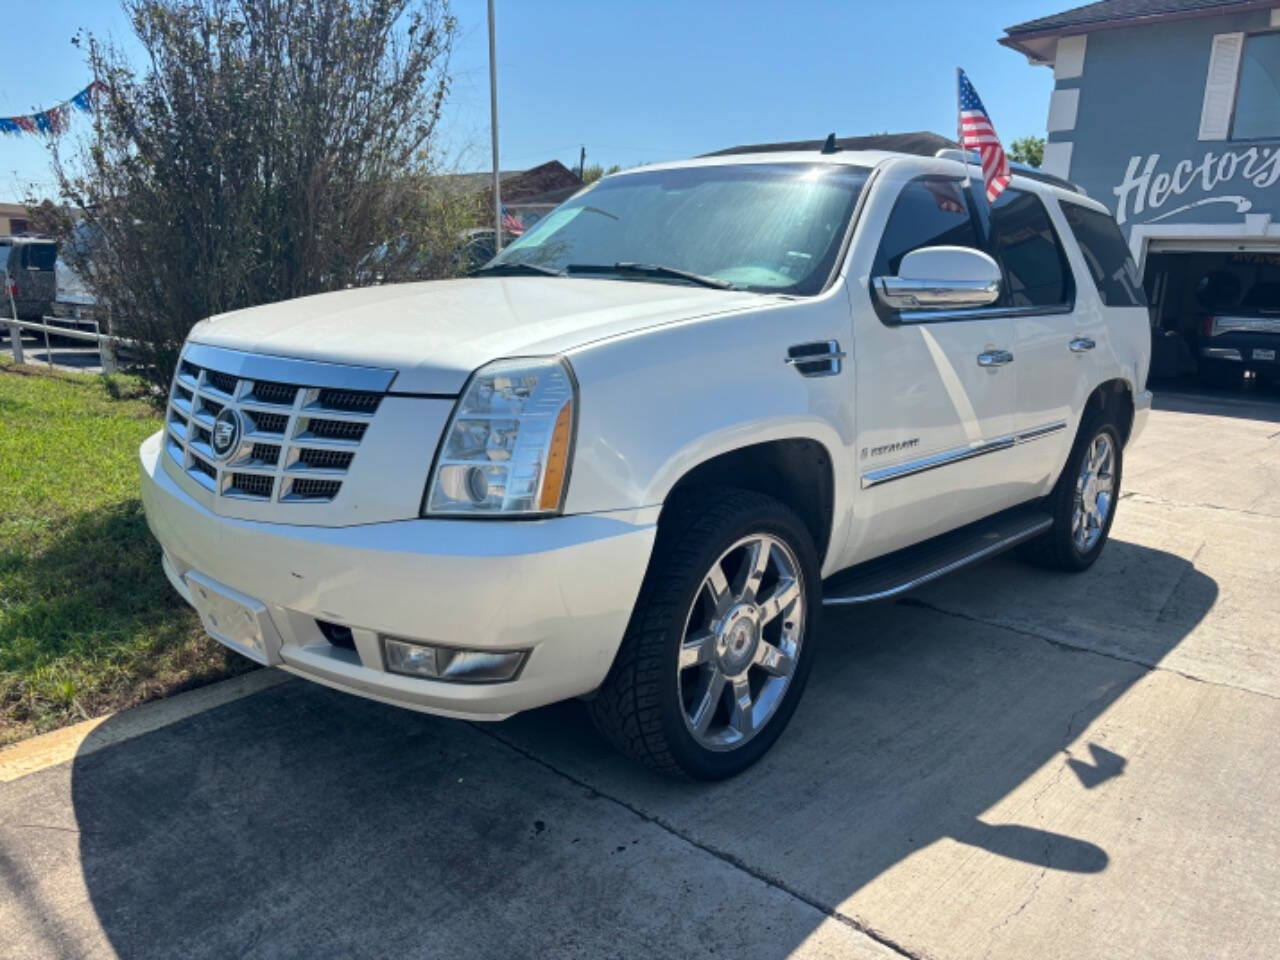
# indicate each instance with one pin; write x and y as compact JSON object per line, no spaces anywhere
{"x":930,"y":212}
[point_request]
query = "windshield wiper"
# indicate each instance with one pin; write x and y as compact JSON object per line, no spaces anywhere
{"x":626,"y":267}
{"x":517,"y":268}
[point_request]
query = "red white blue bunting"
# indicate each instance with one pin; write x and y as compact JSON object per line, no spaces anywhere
{"x":55,"y":120}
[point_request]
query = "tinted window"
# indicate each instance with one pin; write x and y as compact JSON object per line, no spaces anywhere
{"x":41,"y":256}
{"x":930,"y":212}
{"x":1025,"y":244}
{"x":1107,"y":256}
{"x":1257,"y":115}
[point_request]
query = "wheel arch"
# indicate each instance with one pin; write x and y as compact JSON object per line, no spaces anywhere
{"x":797,"y":471}
{"x":1115,"y":397}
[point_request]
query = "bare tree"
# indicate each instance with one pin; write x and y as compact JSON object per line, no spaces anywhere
{"x":266,"y":149}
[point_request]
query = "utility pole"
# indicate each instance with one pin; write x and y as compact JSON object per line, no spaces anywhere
{"x":582,"y":162}
{"x":493,"y":123}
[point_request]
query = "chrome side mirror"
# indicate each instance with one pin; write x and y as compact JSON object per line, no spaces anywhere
{"x":941,"y":278}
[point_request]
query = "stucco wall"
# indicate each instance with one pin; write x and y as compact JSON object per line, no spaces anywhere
{"x":1140,"y":96}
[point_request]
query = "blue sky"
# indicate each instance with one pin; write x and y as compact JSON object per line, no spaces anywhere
{"x":648,"y":81}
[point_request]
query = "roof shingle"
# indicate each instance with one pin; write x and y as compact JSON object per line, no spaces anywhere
{"x":1111,"y":11}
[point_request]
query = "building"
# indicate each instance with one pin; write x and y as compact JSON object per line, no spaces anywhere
{"x":1168,"y":111}
{"x":13,"y":220}
{"x":527,"y":194}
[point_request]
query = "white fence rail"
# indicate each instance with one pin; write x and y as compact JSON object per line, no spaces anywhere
{"x":108,"y":346}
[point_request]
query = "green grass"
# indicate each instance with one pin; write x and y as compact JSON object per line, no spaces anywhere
{"x":88,"y":622}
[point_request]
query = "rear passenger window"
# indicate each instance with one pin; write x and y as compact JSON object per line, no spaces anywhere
{"x":1026,"y":246}
{"x":39,"y":256}
{"x":930,"y":212}
{"x":1106,"y":255}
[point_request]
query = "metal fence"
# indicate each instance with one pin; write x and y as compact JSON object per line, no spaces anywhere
{"x":108,"y":346}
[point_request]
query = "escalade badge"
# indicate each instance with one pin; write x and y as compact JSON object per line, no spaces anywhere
{"x":226,"y":433}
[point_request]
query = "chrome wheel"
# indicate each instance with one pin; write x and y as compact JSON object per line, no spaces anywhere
{"x":1095,"y":493}
{"x":741,"y":642}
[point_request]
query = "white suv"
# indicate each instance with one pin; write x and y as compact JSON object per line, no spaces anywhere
{"x":631,"y":458}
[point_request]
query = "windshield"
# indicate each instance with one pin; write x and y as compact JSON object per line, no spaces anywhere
{"x":773,"y":228}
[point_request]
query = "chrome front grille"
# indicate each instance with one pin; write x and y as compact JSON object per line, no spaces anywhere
{"x":282,"y":441}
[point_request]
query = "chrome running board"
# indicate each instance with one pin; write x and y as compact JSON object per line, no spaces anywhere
{"x":914,"y":566}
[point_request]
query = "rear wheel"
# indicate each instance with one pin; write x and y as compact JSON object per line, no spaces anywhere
{"x":720,"y":643}
{"x":1083,"y":501}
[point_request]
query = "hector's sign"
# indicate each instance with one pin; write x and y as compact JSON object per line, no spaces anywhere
{"x":1145,"y":188}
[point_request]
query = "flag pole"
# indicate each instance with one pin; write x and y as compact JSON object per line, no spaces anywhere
{"x":493,"y":124}
{"x":964,"y":151}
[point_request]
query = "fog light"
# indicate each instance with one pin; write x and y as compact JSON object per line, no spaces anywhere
{"x":413,"y":659}
{"x":448,"y":663}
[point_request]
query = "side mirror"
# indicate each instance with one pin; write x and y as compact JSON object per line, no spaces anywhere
{"x":941,"y":278}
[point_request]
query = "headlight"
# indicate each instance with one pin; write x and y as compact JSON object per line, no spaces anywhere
{"x":506,"y":449}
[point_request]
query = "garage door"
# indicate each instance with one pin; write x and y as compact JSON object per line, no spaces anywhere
{"x":1267,"y":245}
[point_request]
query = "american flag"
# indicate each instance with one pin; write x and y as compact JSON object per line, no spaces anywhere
{"x":510,"y":223}
{"x":977,"y":133}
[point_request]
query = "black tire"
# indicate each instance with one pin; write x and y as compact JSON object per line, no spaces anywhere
{"x":638,"y":708}
{"x":1057,"y":549}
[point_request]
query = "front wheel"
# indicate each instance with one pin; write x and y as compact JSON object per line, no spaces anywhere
{"x":721,"y":640}
{"x":1083,"y":501}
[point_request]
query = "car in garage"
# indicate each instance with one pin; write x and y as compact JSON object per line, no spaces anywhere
{"x":1245,"y":336}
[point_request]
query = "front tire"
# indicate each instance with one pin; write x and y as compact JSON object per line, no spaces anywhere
{"x":721,"y":640}
{"x":1083,"y":501}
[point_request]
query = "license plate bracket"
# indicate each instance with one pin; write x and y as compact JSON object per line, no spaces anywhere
{"x":234,"y":620}
{"x":1260,"y":354}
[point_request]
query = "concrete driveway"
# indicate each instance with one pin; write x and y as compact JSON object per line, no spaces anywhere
{"x":1010,"y":763}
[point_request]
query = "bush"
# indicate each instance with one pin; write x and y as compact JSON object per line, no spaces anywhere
{"x":271,"y":149}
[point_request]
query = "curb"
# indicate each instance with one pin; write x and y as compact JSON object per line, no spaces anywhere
{"x":59,"y":746}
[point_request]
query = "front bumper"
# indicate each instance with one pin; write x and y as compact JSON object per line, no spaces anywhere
{"x":562,"y":588}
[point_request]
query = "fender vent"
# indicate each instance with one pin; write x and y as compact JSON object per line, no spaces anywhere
{"x":818,"y":359}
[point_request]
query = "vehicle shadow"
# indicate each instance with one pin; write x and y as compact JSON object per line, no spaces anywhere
{"x":1249,"y":400}
{"x":305,"y":822}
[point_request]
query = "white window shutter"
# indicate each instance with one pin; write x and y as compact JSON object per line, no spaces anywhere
{"x":1220,"y":86}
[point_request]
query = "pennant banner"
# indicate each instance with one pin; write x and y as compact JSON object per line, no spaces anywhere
{"x":55,"y":120}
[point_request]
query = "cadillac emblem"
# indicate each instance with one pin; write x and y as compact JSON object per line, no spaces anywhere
{"x":227,"y":431}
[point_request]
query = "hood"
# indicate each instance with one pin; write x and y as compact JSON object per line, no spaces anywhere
{"x":436,"y":333}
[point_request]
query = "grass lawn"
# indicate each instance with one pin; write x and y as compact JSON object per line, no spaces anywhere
{"x":88,"y":622}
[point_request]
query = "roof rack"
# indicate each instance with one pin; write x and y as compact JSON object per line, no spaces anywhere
{"x":921,"y":143}
{"x":1021,"y":169}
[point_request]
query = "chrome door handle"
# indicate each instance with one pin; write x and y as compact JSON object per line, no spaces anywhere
{"x":994,"y":358}
{"x":1081,"y":345}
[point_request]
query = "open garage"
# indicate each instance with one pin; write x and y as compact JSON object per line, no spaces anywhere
{"x":1216,"y":309}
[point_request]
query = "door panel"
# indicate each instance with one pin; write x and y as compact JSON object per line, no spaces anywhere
{"x":1050,"y":382}
{"x":1040,"y":288}
{"x":933,"y":448}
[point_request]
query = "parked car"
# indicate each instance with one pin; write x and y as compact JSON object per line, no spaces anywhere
{"x":1247,"y":336}
{"x":475,"y":247}
{"x":30,"y":279}
{"x":632,"y":458}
